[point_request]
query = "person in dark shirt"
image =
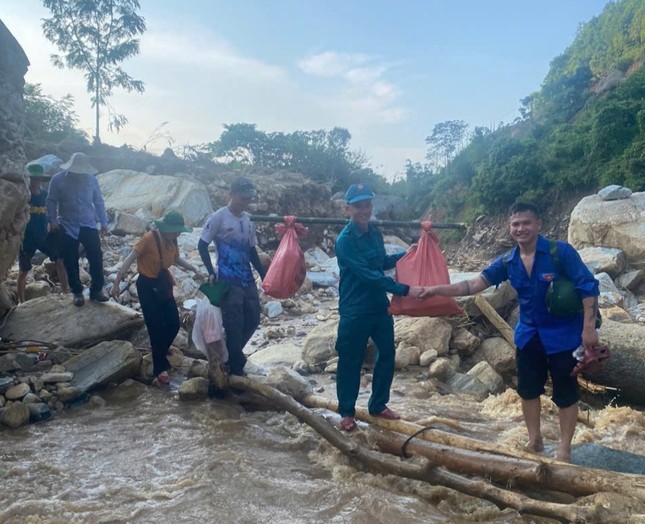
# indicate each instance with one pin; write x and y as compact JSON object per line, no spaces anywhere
{"x":545,"y":342}
{"x":362,"y":307}
{"x":36,"y":237}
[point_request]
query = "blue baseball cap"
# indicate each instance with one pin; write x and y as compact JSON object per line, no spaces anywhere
{"x":358,"y":192}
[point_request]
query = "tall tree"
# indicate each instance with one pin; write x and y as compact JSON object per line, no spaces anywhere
{"x":95,"y":36}
{"x":445,"y":140}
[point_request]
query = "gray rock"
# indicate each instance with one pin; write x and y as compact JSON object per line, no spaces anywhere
{"x":194,"y":389}
{"x":289,"y":382}
{"x":38,"y":412}
{"x":631,"y":279}
{"x":322,"y":278}
{"x":603,"y":260}
{"x":320,"y":345}
{"x":26,"y":361}
{"x":428,"y":358}
{"x":127,"y":224}
{"x":105,"y":363}
{"x":5,"y":384}
{"x":285,"y":354}
{"x":53,"y":378}
{"x":130,"y":191}
{"x":68,"y":393}
{"x":15,"y":415}
{"x":592,"y":455}
{"x":273,"y":309}
{"x":485,"y":373}
{"x":468,"y":384}
{"x":442,"y":368}
{"x":17,"y":392}
{"x":30,"y":398}
{"x":8,"y":363}
{"x":37,"y":289}
{"x":614,"y":192}
{"x":67,"y":325}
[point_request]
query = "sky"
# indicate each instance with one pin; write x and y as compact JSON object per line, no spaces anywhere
{"x":387,"y":70}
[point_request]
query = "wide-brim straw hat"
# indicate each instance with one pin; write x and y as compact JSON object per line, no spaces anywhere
{"x":172,"y":222}
{"x":79,"y":164}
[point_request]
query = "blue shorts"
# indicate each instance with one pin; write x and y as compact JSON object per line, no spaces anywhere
{"x":533,"y":367}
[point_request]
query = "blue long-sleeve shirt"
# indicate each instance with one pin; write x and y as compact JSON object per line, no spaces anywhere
{"x":557,"y":334}
{"x":75,"y":201}
{"x":362,"y":260}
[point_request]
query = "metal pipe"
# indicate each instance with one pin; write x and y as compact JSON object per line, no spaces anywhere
{"x":344,"y":221}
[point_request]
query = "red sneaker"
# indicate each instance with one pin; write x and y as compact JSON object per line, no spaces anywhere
{"x":387,"y":414}
{"x":348,"y":424}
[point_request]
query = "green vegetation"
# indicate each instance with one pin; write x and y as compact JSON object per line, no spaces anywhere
{"x":585,"y":128}
{"x":47,"y":120}
{"x":323,"y":156}
{"x":95,"y":37}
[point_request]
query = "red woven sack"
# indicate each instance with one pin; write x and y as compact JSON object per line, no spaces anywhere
{"x":287,"y":271}
{"x":424,"y":266}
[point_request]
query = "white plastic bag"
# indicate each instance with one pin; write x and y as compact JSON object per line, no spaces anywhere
{"x":208,"y":331}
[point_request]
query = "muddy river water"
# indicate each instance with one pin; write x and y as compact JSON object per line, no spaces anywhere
{"x":145,"y":456}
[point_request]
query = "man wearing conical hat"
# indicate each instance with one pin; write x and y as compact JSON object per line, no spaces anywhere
{"x":36,"y":237}
{"x":74,"y":204}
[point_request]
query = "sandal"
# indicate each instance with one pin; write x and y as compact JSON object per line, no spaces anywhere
{"x":348,"y":424}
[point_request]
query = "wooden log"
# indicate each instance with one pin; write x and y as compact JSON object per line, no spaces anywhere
{"x":489,"y":312}
{"x":524,"y":473}
{"x":432,"y":435}
{"x":377,"y":463}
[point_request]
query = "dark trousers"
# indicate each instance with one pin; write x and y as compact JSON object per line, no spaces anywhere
{"x":241,"y":317}
{"x":162,"y":321}
{"x":69,"y":252}
{"x":353,"y":334}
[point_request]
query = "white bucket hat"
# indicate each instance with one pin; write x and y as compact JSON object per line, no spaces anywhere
{"x":80,"y":164}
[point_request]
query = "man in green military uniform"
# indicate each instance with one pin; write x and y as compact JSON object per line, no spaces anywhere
{"x":362,"y":306}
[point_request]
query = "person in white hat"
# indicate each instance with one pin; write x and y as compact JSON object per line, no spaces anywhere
{"x":74,"y":203}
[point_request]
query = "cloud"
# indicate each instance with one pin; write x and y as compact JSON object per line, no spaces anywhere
{"x":359,"y":88}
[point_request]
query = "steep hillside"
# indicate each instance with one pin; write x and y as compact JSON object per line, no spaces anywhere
{"x":584,"y":128}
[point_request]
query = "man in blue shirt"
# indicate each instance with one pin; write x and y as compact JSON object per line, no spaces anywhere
{"x":362,"y":306}
{"x":233,"y":233}
{"x":74,"y":204}
{"x":544,"y":342}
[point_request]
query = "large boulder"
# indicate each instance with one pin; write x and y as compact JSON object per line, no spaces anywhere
{"x":103,"y":364}
{"x":320,"y":345}
{"x":614,"y":223}
{"x":625,"y":369}
{"x":130,"y":191}
{"x":55,"y":320}
{"x":14,"y":192}
{"x":425,"y":333}
{"x":283,"y":354}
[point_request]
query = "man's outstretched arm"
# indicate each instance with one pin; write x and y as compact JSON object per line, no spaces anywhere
{"x":458,"y":289}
